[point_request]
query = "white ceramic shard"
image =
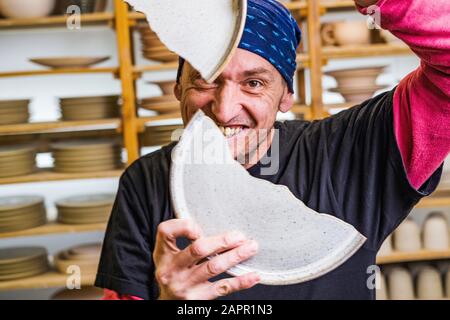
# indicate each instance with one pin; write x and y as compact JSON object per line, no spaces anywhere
{"x":203,"y":32}
{"x":296,"y":244}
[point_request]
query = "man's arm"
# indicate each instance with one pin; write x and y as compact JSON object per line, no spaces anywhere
{"x":422,"y":99}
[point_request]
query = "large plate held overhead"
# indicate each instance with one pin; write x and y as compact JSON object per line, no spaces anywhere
{"x":203,"y":32}
{"x":296,"y":244}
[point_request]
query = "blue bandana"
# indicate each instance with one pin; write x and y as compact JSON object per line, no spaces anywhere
{"x":272,"y":33}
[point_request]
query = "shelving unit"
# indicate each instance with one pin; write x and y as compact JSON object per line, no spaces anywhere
{"x":424,"y":255}
{"x":131,"y":125}
{"x":50,"y":279}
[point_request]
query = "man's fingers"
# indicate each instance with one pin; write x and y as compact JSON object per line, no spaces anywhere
{"x":170,"y":230}
{"x":221,"y":263}
{"x":205,"y":247}
{"x":228,"y":286}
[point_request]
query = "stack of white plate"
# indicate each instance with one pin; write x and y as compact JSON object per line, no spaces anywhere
{"x":86,"y":156}
{"x":167,"y":103}
{"x":357,"y":85}
{"x":14,"y":111}
{"x":85,"y":209}
{"x":17,"y":160}
{"x":161,"y":135}
{"x":152,"y":48}
{"x":89,"y":108}
{"x":22,"y":262}
{"x":21,"y":212}
{"x":86,"y":257}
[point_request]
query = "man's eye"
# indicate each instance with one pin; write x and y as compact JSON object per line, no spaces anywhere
{"x":254,"y":84}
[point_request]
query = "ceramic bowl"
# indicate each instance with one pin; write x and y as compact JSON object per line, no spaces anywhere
{"x":407,"y":237}
{"x":429,"y":284}
{"x":400,"y":284}
{"x":435,"y":232}
{"x":346,"y":33}
{"x":26,"y":8}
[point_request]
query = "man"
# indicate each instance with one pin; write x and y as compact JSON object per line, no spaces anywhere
{"x":367,"y":166}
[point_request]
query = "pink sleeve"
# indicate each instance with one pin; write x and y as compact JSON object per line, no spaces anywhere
{"x":422,"y":99}
{"x":112,"y":295}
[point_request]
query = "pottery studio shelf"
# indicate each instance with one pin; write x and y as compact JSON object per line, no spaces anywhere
{"x":90,"y":19}
{"x":44,"y":175}
{"x":373,"y":50}
{"x":50,"y":279}
{"x":54,"y":228}
{"x":61,"y":71}
{"x":52,"y":126}
{"x":423,"y":255}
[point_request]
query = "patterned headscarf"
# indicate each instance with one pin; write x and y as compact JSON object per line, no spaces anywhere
{"x":272,"y":33}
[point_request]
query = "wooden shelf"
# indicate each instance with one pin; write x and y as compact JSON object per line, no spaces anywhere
{"x":50,"y":279}
{"x":373,"y":50}
{"x":101,"y":18}
{"x":48,"y":175}
{"x":423,"y":255}
{"x":55,"y":228}
{"x":338,"y":4}
{"x":53,"y":126}
{"x":440,"y":198}
{"x":45,"y":72}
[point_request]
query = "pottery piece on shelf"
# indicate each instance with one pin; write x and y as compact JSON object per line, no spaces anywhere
{"x":407,"y":236}
{"x":389,"y":37}
{"x":400,"y":284}
{"x":69,"y":62}
{"x":21,"y":9}
{"x":381,"y":291}
{"x":346,"y":33}
{"x":435,"y":232}
{"x":386,"y":247}
{"x":429,"y":284}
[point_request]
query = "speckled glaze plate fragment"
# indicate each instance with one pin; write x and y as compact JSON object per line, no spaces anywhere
{"x":296,"y":244}
{"x":203,"y":32}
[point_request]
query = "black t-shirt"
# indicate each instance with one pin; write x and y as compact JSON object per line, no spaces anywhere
{"x":347,"y":165}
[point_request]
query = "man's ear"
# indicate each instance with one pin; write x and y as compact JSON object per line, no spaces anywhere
{"x":287,"y":101}
{"x":177,"y":91}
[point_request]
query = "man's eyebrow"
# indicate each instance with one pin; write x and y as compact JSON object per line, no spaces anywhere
{"x":258,"y":72}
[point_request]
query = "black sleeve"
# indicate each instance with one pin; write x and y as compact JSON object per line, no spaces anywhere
{"x":126,"y":261}
{"x":361,"y":169}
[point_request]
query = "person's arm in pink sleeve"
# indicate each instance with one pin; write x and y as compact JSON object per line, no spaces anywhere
{"x":112,"y":295}
{"x":422,"y":99}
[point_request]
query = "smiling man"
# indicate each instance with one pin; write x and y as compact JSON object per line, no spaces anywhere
{"x":367,"y":166}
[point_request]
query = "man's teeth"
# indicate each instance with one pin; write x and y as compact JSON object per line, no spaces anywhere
{"x":229,"y":132}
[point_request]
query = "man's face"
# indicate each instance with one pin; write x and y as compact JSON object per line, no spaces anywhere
{"x":243,"y":101}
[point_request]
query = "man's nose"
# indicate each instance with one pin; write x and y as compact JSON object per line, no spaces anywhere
{"x":226,"y":104}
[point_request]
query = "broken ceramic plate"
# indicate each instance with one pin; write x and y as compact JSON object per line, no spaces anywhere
{"x":203,"y":32}
{"x":296,"y":244}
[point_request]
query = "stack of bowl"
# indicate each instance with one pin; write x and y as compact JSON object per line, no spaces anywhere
{"x":21,"y":212}
{"x":14,"y":111}
{"x":161,"y":135}
{"x":167,"y":103}
{"x":86,"y":156}
{"x":22,"y":262}
{"x":85,"y":209}
{"x":152,"y":48}
{"x":89,"y":108}
{"x":357,"y":85}
{"x":17,"y":161}
{"x":85,"y":256}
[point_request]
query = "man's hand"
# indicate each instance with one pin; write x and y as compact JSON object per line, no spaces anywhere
{"x":184,"y":274}
{"x":366,"y":3}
